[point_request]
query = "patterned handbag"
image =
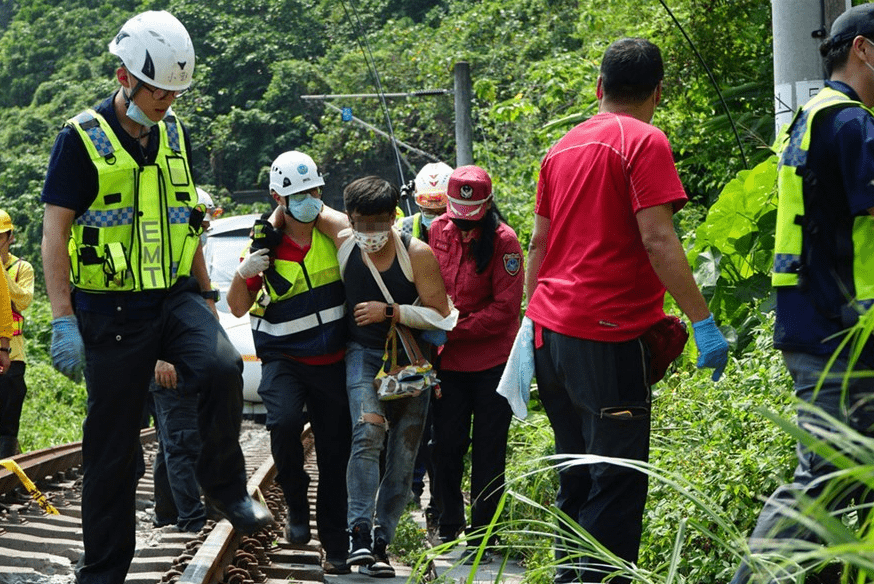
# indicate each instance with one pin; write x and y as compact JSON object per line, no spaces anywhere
{"x":398,"y":381}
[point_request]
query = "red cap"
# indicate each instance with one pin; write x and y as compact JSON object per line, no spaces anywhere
{"x":470,"y":188}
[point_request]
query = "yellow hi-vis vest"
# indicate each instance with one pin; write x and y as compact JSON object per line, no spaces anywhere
{"x":792,"y":168}
{"x":411,"y":225}
{"x":305,"y":315}
{"x":139,"y":233}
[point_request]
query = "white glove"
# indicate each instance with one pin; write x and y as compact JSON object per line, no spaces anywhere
{"x":254,"y":263}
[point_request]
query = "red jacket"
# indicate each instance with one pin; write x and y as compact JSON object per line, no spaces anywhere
{"x":488,"y":303}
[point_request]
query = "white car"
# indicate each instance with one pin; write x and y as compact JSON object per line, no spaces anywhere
{"x":225,"y":241}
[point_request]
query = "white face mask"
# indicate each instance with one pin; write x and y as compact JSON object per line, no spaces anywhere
{"x":136,"y":114}
{"x":371,"y":242}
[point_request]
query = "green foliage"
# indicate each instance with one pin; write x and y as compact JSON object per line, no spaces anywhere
{"x":710,"y":438}
{"x":534,"y":69}
{"x":732,"y":251}
{"x":54,"y":408}
{"x":410,"y":541}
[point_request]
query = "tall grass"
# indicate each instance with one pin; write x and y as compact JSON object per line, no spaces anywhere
{"x":717,"y":451}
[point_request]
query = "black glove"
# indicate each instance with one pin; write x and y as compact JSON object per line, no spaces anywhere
{"x":265,"y":236}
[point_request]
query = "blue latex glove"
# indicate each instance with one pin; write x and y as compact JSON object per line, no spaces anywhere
{"x":68,"y":349}
{"x":712,"y":346}
{"x":435,"y":337}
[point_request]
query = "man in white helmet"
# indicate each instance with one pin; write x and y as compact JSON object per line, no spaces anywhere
{"x":128,"y":286}
{"x":430,"y":185}
{"x":300,"y":336}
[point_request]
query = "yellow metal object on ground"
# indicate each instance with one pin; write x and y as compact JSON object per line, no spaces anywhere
{"x":37,"y":496}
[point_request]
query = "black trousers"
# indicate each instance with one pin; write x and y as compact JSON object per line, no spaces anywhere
{"x":12,"y":392}
{"x":120,"y":361}
{"x":470,"y":415}
{"x":597,"y":399}
{"x":292,"y":392}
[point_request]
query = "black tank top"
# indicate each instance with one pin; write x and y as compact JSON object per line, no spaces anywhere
{"x":361,"y":287}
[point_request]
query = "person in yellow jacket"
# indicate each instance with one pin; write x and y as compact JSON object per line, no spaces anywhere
{"x":19,"y":280}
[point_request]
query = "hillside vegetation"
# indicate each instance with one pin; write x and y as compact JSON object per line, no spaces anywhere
{"x":534,"y":64}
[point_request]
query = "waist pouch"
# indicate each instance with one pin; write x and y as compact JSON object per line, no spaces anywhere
{"x":665,"y":341}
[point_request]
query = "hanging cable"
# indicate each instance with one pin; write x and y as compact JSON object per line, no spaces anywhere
{"x":712,"y":81}
{"x":361,"y":38}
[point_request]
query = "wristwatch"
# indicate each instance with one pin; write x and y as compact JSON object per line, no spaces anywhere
{"x":6,"y":349}
{"x":389,"y":311}
{"x":210,"y":295}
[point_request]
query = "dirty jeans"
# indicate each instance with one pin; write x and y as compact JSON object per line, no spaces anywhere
{"x":855,"y":409}
{"x":405,"y":420}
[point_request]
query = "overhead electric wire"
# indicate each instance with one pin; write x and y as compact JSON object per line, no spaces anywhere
{"x":712,"y":81}
{"x":361,"y":38}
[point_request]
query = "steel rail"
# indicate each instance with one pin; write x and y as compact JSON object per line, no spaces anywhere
{"x":39,"y":464}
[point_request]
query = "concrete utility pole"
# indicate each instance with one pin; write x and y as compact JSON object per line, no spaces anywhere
{"x":799,"y":27}
{"x":463,"y":123}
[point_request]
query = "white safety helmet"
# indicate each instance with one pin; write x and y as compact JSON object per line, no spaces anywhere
{"x":204,"y":198}
{"x":156,"y":49}
{"x":294,"y":172}
{"x":431,"y":184}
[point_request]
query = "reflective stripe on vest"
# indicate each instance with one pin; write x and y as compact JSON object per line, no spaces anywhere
{"x":136,"y":234}
{"x":292,"y":327}
{"x":789,"y":239}
{"x":306,"y":319}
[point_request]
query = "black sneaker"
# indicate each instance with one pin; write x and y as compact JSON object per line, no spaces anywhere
{"x":380,"y":568}
{"x":361,"y":553}
{"x":468,"y":556}
{"x":297,"y":532}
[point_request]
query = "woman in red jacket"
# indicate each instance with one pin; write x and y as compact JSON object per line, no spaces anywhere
{"x":481,"y":263}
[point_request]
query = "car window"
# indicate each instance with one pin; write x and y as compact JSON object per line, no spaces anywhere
{"x":222,"y":254}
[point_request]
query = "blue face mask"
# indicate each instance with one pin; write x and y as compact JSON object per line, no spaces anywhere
{"x":427,"y":218}
{"x":136,"y":114}
{"x":304,"y":211}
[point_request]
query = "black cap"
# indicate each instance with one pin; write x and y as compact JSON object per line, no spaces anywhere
{"x":858,"y":20}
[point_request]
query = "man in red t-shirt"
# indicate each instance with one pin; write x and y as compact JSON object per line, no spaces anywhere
{"x":602,"y":253}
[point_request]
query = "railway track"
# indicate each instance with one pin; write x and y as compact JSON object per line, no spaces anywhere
{"x":37,"y":547}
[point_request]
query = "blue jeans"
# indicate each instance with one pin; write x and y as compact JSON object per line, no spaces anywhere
{"x":292,"y":393}
{"x":404,"y":422}
{"x":856,"y":410}
{"x":176,"y":460}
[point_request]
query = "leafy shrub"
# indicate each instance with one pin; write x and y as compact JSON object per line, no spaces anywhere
{"x":410,"y":541}
{"x":54,"y":408}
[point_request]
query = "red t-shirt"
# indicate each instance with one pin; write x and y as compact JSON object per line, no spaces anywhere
{"x":596,"y":281}
{"x":290,"y":251}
